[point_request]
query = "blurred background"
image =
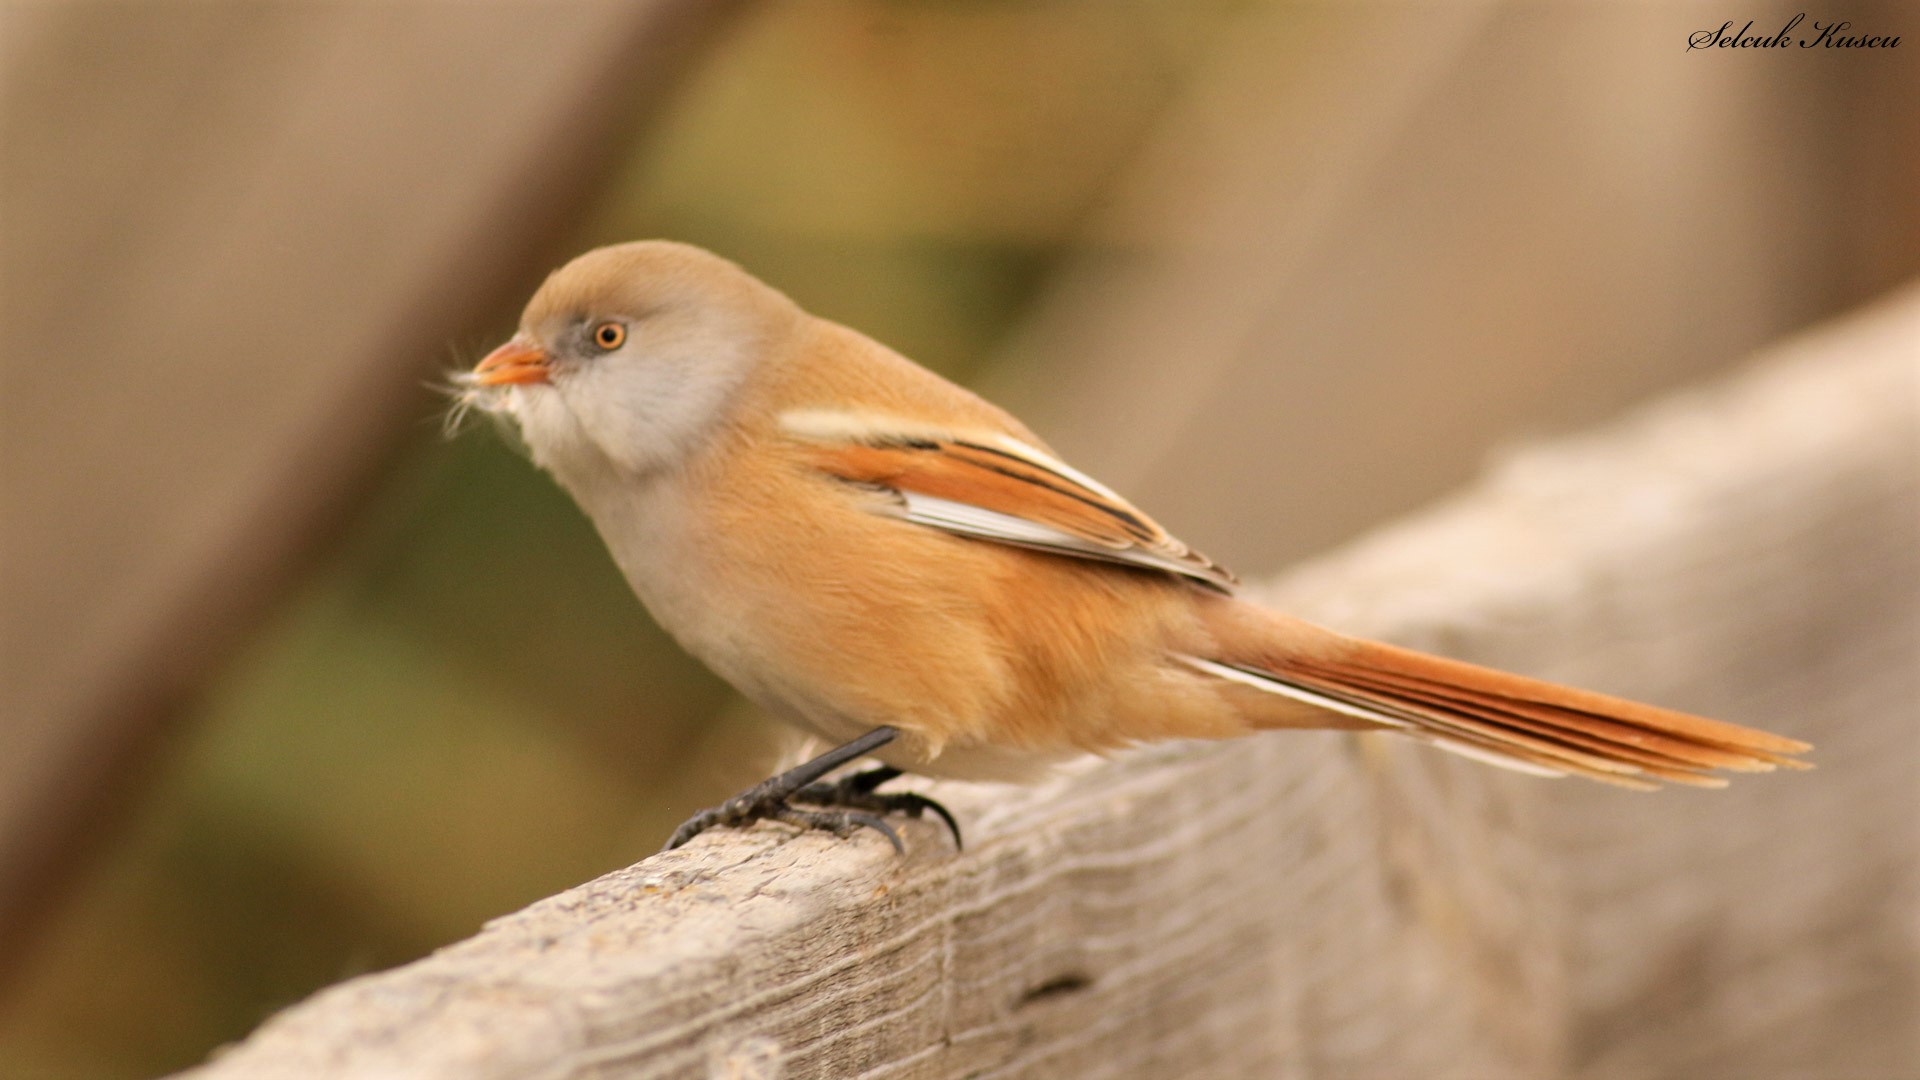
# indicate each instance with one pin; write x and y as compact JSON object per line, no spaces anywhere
{"x":297,"y":687}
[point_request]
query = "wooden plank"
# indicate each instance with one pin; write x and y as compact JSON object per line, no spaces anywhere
{"x":1326,"y":905}
{"x":1751,"y":552}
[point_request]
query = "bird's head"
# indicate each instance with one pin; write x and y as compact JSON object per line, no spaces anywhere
{"x":630,"y":355}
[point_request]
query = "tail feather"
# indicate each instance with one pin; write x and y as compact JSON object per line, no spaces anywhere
{"x":1495,"y":716}
{"x":1596,"y":733}
{"x":1694,"y":730}
{"x":1449,"y":721}
{"x":1542,"y":744}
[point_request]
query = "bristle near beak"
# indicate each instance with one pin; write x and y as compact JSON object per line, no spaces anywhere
{"x":516,"y":363}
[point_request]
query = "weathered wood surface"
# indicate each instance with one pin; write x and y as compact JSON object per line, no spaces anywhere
{"x":1324,"y":905}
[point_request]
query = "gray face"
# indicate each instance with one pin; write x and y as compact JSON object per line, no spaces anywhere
{"x":635,"y":391}
{"x":646,"y":344}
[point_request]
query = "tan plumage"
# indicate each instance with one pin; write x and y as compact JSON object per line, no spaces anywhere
{"x":853,"y":542}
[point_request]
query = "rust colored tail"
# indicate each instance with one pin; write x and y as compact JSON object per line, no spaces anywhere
{"x":1504,"y":719}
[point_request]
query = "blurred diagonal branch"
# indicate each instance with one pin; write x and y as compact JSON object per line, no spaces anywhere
{"x":224,"y":285}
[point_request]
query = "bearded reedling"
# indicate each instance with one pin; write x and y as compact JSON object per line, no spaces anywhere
{"x":893,"y":564}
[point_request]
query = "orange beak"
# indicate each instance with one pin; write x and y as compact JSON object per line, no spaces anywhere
{"x":515,"y":363}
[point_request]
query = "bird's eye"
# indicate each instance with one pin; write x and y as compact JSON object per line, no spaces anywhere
{"x":609,"y":335}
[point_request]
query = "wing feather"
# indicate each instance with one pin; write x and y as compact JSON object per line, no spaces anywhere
{"x":990,"y":486}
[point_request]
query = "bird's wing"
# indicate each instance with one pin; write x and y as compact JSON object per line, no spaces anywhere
{"x":991,"y":486}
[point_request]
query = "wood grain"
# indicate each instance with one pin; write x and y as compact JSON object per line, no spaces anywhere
{"x":1331,"y":906}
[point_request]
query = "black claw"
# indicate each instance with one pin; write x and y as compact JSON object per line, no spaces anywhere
{"x":692,"y":827}
{"x":841,"y":823}
{"x":946,"y":816}
{"x":741,"y":809}
{"x":857,"y":792}
{"x":844,"y":807}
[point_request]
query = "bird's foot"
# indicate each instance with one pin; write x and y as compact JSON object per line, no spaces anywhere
{"x":765,"y":802}
{"x":856,"y":792}
{"x":842,"y":808}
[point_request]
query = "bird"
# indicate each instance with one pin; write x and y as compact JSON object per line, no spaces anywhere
{"x":893,"y":564}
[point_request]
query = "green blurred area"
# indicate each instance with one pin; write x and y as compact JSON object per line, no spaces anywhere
{"x":463,"y":708}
